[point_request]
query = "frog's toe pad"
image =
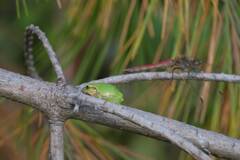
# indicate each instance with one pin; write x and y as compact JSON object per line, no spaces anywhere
{"x":76,"y":108}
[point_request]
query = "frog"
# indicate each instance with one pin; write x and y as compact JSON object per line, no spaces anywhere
{"x":104,"y":91}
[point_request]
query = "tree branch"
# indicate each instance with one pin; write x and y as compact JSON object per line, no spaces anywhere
{"x":162,"y":131}
{"x":97,"y":111}
{"x":55,"y":101}
{"x":56,"y":145}
{"x":147,"y":76}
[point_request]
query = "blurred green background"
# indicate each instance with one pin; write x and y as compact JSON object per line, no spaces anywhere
{"x":99,"y":38}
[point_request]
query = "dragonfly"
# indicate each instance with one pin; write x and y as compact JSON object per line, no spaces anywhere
{"x":182,"y":63}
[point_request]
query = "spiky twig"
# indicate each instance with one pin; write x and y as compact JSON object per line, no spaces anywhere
{"x":30,"y":31}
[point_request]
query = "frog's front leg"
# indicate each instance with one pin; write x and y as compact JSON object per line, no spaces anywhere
{"x":76,"y":108}
{"x":75,"y":101}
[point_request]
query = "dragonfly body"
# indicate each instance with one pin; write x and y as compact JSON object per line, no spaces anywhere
{"x":161,"y":64}
{"x":182,"y":63}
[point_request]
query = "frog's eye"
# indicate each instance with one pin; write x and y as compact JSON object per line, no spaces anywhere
{"x":90,"y":90}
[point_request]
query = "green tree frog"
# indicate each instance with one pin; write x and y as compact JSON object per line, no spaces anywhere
{"x":104,"y":91}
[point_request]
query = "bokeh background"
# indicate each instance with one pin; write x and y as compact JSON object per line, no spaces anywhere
{"x":99,"y":38}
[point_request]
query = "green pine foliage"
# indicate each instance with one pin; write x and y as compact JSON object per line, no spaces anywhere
{"x":95,"y":39}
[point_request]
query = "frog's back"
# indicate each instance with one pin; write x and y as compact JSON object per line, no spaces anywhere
{"x":110,"y":92}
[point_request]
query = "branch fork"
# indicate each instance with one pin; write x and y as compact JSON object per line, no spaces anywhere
{"x":62,"y":101}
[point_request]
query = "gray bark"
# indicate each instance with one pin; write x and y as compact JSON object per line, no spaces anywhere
{"x":56,"y":145}
{"x":57,"y":102}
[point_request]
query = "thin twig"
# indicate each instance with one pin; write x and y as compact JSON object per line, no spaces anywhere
{"x":141,"y":76}
{"x":30,"y":30}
